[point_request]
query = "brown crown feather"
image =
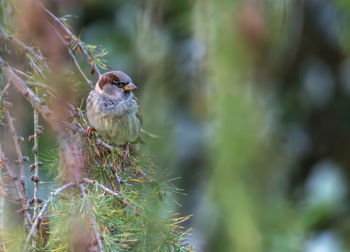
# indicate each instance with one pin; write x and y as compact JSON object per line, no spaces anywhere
{"x":109,"y":77}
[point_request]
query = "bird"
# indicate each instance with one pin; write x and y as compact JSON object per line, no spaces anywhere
{"x":113,"y":110}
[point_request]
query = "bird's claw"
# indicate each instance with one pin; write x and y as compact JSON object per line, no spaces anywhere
{"x":89,"y":131}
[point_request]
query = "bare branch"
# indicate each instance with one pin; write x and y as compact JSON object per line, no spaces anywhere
{"x":35,"y":150}
{"x":20,"y":158}
{"x":4,"y":163}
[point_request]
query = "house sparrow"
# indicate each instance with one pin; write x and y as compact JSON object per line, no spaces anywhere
{"x":112,"y":109}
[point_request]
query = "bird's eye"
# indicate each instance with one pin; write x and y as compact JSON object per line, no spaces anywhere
{"x":118,"y":84}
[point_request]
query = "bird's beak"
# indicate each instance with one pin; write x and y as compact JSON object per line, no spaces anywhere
{"x":129,"y":87}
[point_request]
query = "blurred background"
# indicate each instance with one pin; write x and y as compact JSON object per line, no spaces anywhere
{"x":251,"y":101}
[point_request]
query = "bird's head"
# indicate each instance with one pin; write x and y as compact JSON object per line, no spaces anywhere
{"x":115,"y":84}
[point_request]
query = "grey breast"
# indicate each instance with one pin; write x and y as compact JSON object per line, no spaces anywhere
{"x":114,"y":119}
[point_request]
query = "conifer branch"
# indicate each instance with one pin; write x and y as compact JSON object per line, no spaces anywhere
{"x":132,"y":217}
{"x":28,"y":94}
{"x":93,"y":223}
{"x":20,"y":46}
{"x":33,"y":229}
{"x":38,"y":104}
{"x":104,"y":188}
{"x":111,"y":192}
{"x":80,"y":129}
{"x":26,"y":50}
{"x":72,"y":38}
{"x":76,"y":63}
{"x":49,"y":89}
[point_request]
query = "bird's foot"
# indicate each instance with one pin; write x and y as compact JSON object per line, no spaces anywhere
{"x":89,"y":131}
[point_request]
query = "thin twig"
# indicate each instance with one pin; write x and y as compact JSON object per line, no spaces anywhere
{"x":89,"y":82}
{"x":111,"y":192}
{"x":104,"y":188}
{"x":73,"y":38}
{"x":36,"y":67}
{"x":35,"y":151}
{"x":3,"y":92}
{"x":33,"y":230}
{"x":2,"y":200}
{"x":82,"y":116}
{"x":93,"y":222}
{"x":20,"y":159}
{"x":21,"y":73}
